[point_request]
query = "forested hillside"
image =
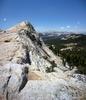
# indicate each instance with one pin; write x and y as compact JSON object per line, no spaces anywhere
{"x":71,"y":48}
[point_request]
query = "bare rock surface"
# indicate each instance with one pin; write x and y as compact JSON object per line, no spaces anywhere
{"x":24,"y":64}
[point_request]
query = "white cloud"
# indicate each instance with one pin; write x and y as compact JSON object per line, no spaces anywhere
{"x":4,"y":19}
{"x":68,"y":26}
{"x":62,"y":28}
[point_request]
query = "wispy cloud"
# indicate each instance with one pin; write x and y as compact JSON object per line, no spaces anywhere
{"x":4,"y":19}
{"x":62,"y":28}
{"x":78,"y":22}
{"x":68,"y":26}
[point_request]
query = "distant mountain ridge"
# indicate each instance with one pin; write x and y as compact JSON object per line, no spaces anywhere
{"x":61,"y":35}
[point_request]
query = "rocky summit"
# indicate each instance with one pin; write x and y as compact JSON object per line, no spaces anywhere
{"x":30,"y":71}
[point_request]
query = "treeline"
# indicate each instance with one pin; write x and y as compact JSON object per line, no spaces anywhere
{"x":75,"y":57}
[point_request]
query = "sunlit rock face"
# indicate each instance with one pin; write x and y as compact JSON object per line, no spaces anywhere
{"x":24,"y":60}
{"x":20,"y":26}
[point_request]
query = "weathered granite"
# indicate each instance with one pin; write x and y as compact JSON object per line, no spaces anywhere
{"x":23,"y":61}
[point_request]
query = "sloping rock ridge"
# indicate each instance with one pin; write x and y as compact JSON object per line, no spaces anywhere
{"x":30,"y":71}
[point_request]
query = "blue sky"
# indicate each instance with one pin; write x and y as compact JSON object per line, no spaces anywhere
{"x":45,"y":15}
